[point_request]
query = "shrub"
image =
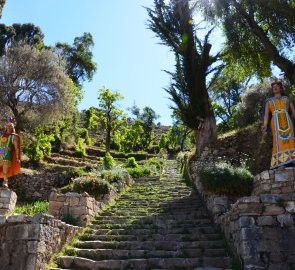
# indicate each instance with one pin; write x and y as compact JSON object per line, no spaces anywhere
{"x":139,"y":172}
{"x":69,"y":219}
{"x":114,"y":175}
{"x":222,"y":178}
{"x":38,"y":207}
{"x":39,"y":144}
{"x":93,"y":185}
{"x":80,"y":149}
{"x":108,"y":161}
{"x":131,"y":163}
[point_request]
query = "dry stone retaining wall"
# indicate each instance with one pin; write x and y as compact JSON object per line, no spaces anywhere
{"x":260,"y":228}
{"x":83,"y":207}
{"x":28,"y":243}
{"x":36,"y":186}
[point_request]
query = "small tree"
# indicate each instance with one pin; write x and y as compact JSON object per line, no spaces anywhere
{"x":109,"y":113}
{"x":34,"y":86}
{"x":147,"y":118}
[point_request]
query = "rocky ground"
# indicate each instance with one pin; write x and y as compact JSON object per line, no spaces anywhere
{"x":156,"y":224}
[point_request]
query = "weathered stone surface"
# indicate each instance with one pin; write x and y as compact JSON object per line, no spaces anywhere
{"x":266,"y":221}
{"x":27,"y":243}
{"x":286,"y":220}
{"x":8,"y":200}
{"x":273,"y":210}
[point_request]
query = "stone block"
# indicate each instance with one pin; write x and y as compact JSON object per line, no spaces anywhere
{"x":249,"y":209}
{"x":250,"y":199}
{"x":290,"y":206}
{"x":273,"y":210}
{"x":266,"y":221}
{"x":283,"y":175}
{"x":246,"y":221}
{"x":269,"y":198}
{"x":8,"y":200}
{"x":264,"y":175}
{"x":16,"y":218}
{"x":286,"y":220}
{"x":2,"y":219}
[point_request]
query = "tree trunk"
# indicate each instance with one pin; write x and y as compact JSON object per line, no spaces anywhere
{"x":206,"y":136}
{"x":108,"y":139}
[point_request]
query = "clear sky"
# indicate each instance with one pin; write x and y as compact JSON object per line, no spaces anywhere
{"x":128,"y":55}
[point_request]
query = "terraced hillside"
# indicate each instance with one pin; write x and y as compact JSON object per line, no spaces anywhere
{"x":156,"y":224}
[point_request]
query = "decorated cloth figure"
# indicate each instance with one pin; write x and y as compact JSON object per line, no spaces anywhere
{"x":10,"y":153}
{"x":282,"y":109}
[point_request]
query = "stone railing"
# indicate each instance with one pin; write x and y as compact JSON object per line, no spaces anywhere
{"x":260,"y":228}
{"x":28,"y":243}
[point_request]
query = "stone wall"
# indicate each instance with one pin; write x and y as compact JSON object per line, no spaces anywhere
{"x":81,"y":207}
{"x":262,"y":232}
{"x":279,"y":181}
{"x":8,"y":200}
{"x":260,"y":228}
{"x":36,"y":186}
{"x":28,"y":243}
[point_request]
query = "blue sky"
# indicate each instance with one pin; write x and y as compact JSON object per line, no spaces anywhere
{"x":127,"y":54}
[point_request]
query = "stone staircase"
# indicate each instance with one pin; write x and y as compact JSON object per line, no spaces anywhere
{"x":156,"y":224}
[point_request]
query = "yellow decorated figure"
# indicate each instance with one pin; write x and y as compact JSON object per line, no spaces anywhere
{"x":10,"y":153}
{"x":282,"y":110}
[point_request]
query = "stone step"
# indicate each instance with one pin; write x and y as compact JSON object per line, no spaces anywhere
{"x":158,"y":221}
{"x":120,"y":254}
{"x":143,"y":264}
{"x":151,"y":245}
{"x":124,"y":231}
{"x":157,"y":237}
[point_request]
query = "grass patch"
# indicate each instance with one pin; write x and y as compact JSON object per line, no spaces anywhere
{"x":38,"y":207}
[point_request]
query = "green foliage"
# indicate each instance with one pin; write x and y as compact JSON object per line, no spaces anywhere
{"x":226,"y":95}
{"x":258,"y":34}
{"x":139,"y":172}
{"x":28,"y":33}
{"x":110,"y":116}
{"x":79,"y":59}
{"x":132,"y":137}
{"x":183,"y":159}
{"x":113,"y":175}
{"x":93,"y":185}
{"x":222,"y":178}
{"x":80,"y":149}
{"x":173,"y":23}
{"x":163,"y":143}
{"x":108,"y":161}
{"x":40,"y":143}
{"x":131,"y":163}
{"x":69,"y":219}
{"x":252,"y":103}
{"x":38,"y":207}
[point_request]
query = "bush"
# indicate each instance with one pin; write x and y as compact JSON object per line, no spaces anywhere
{"x":93,"y":185}
{"x":38,"y":207}
{"x":108,"y":161}
{"x":131,"y":163}
{"x":39,"y":144}
{"x":222,"y":178}
{"x":139,"y":172}
{"x":80,"y":149}
{"x":114,"y":175}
